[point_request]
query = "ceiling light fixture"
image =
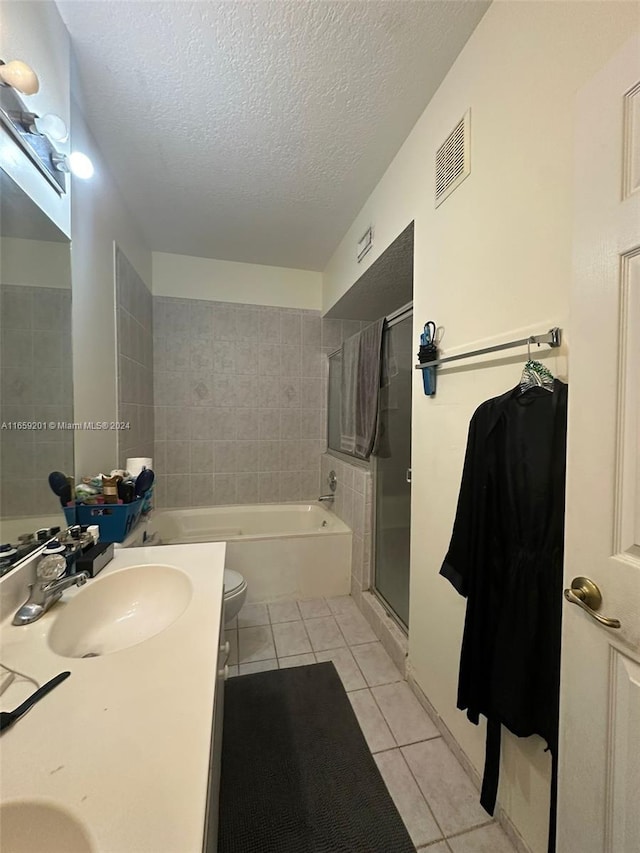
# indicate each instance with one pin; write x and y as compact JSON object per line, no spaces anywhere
{"x":19,"y":76}
{"x":77,"y":163}
{"x":51,"y":126}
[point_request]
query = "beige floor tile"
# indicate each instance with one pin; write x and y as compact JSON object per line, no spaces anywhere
{"x":450,"y":793}
{"x":342,"y":604}
{"x":346,"y":666}
{"x":355,"y":628}
{"x":324,"y":633}
{"x":255,"y":644}
{"x":405,"y":793}
{"x":314,"y":607}
{"x":258,"y":666}
{"x":297,"y":660}
{"x":374,"y":728}
{"x":405,"y":716}
{"x":253,"y":614}
{"x":376,"y":665}
{"x":440,"y":847}
{"x":291,"y":639}
{"x":232,"y":638}
{"x":488,"y":839}
{"x":284,"y":611}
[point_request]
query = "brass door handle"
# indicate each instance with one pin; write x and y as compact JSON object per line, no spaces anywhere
{"x":586,"y":594}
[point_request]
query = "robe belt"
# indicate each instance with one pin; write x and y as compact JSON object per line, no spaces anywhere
{"x":492,"y":773}
{"x":491,"y":767}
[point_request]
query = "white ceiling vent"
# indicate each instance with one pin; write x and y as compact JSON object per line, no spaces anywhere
{"x":453,"y":159}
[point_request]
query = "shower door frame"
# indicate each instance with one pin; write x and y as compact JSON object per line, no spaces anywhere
{"x":391,"y":320}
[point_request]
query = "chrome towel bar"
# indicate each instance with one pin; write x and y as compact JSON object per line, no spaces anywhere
{"x":553,"y":338}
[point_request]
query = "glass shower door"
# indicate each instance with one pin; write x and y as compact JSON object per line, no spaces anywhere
{"x":393,"y":473}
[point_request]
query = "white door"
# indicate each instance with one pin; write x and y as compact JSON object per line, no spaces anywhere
{"x":599,"y":771}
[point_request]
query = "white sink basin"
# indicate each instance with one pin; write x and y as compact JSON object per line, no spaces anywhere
{"x":30,"y":825}
{"x":121,"y":610}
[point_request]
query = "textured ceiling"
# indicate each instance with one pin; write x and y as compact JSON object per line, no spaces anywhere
{"x":254,"y":131}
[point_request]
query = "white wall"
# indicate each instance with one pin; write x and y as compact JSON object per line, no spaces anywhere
{"x":99,"y":218}
{"x":492,"y":261}
{"x":229,"y":281}
{"x":34,"y":33}
{"x":38,"y":263}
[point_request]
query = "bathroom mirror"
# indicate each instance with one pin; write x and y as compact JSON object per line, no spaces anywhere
{"x":36,"y":376}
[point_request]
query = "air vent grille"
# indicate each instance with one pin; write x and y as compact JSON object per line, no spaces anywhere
{"x":452,"y":159}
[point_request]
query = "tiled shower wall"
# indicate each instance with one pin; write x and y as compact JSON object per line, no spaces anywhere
{"x":353,"y":504}
{"x":36,"y":385}
{"x":240,"y":401}
{"x":354,"y":497}
{"x":134,"y":311}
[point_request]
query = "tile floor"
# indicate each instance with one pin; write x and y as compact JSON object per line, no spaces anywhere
{"x":435,"y":797}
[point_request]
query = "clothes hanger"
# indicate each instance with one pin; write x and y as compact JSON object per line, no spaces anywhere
{"x":535,"y":374}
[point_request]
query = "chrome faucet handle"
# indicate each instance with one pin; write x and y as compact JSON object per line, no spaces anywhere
{"x":47,"y":574}
{"x":79,"y":579}
{"x":52,"y":564}
{"x":43,"y":595}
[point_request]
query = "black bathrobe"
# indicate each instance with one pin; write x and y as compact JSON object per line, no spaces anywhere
{"x":505,"y":557}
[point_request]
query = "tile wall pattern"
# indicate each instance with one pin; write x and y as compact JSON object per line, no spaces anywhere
{"x":436,"y":799}
{"x":353,"y":503}
{"x":36,"y":384}
{"x":134,"y":311}
{"x":240,"y":401}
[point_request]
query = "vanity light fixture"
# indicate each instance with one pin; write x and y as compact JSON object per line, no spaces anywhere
{"x":19,"y":76}
{"x":31,"y":133}
{"x":51,"y":126}
{"x":77,"y":163}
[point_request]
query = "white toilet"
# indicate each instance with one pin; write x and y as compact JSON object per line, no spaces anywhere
{"x":235,"y":592}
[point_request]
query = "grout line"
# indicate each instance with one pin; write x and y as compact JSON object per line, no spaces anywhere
{"x":501,"y":819}
{"x":437,"y":822}
{"x":296,"y":655}
{"x":271,"y":622}
{"x":357,"y":664}
{"x":472,"y":828}
{"x":382,"y":714}
{"x":273,"y":643}
{"x":422,"y":740}
{"x":426,"y":801}
{"x":432,"y":844}
{"x":307,"y":635}
{"x":370,"y":643}
{"x":390,"y":749}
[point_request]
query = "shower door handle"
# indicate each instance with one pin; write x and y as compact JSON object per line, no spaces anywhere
{"x":408,"y":476}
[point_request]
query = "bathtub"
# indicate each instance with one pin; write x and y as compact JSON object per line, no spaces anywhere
{"x":283,"y":551}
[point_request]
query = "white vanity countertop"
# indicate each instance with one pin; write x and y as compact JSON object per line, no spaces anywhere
{"x":123,"y":743}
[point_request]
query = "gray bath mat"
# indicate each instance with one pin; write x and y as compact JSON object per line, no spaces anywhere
{"x":297,"y":774}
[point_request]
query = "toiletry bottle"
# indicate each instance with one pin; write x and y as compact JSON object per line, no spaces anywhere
{"x":110,"y":489}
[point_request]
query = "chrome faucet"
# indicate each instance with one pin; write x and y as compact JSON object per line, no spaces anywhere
{"x":43,"y":593}
{"x":327,"y":499}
